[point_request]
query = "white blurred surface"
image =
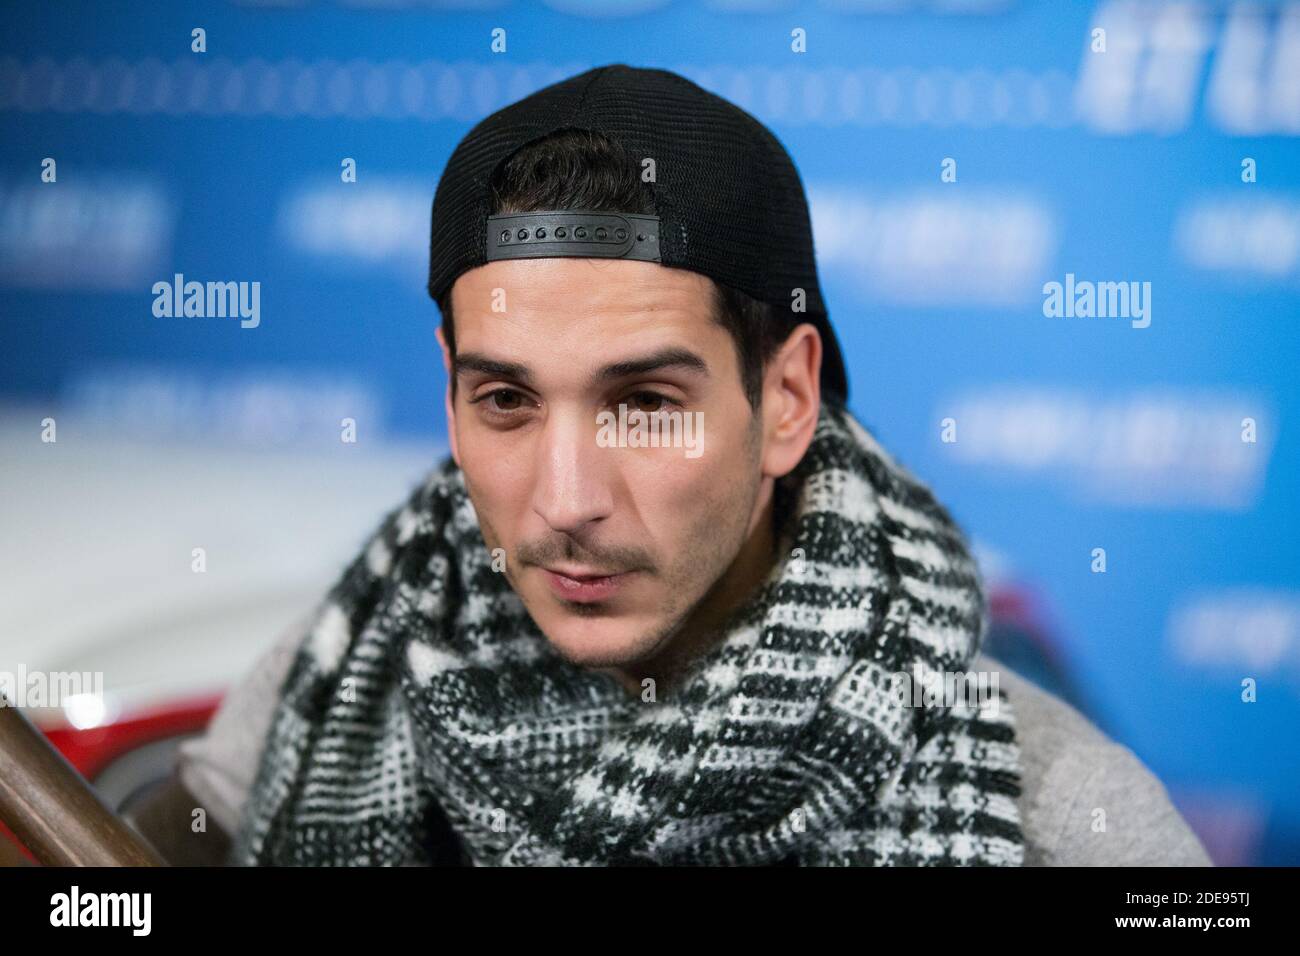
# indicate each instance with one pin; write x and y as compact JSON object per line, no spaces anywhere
{"x":96,"y":537}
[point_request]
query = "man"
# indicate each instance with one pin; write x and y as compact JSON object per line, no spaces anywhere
{"x":667,"y":602}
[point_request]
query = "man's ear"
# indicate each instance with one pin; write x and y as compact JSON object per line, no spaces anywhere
{"x":791,"y":400}
{"x":447,"y":399}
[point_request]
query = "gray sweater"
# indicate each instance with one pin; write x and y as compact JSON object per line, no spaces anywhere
{"x":1085,"y":800}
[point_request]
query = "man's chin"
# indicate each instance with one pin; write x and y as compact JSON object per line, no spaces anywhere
{"x":599,"y":641}
{"x":596,"y":650}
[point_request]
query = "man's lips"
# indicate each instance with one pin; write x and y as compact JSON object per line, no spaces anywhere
{"x":585,"y":585}
{"x":583,"y":574}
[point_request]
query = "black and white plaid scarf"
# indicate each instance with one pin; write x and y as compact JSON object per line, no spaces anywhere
{"x":425,"y":702}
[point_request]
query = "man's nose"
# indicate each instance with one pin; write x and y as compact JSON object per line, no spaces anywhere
{"x":573,"y":484}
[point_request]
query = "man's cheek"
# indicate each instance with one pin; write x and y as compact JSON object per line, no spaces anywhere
{"x":484,"y":513}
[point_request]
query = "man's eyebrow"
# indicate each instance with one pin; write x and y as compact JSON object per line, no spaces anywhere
{"x":663,"y":359}
{"x":477,"y":362}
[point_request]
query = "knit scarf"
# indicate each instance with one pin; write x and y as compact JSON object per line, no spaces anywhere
{"x":425,"y":712}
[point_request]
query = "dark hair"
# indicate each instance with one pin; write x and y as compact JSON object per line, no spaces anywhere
{"x":584,"y":169}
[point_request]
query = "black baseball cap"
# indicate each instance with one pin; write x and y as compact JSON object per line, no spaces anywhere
{"x":728,"y":200}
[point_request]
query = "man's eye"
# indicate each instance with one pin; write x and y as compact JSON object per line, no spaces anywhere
{"x":503,"y":400}
{"x":655,"y":401}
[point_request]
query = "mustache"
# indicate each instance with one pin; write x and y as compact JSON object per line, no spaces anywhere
{"x":564,"y":550}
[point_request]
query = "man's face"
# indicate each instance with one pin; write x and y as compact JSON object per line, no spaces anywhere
{"x":570,"y":339}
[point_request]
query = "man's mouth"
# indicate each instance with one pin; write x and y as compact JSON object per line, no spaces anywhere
{"x":585,"y":585}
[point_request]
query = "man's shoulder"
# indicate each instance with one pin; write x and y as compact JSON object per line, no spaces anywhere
{"x":1087,"y":800}
{"x":219,"y":766}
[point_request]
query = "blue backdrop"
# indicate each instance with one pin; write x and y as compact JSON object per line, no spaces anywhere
{"x":959,"y":156}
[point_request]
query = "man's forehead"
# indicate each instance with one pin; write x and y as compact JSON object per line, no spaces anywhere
{"x":586,"y":312}
{"x":546,"y":287}
{"x":560,"y":322}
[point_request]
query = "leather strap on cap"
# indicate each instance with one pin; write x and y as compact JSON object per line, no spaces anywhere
{"x":572,"y":233}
